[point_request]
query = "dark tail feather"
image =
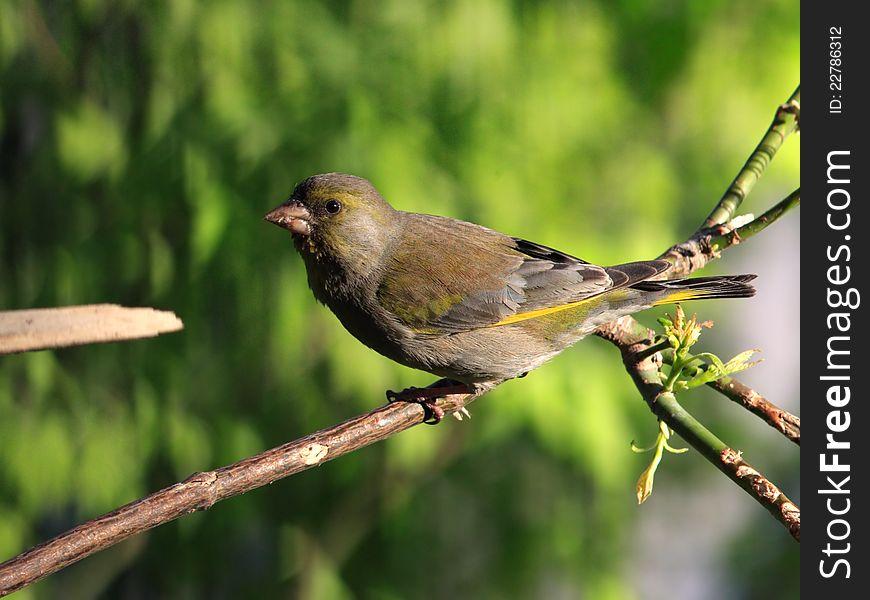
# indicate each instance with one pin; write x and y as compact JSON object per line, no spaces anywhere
{"x":680,"y":290}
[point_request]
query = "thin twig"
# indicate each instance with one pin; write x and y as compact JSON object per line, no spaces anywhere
{"x":757,"y":225}
{"x":202,"y":490}
{"x":781,"y":420}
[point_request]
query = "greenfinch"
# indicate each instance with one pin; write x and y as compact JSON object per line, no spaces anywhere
{"x":469,"y":304}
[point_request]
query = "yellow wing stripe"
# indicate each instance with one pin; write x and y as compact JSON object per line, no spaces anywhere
{"x":533,"y":314}
{"x":617,"y":294}
{"x":611,"y":295}
{"x":681,"y":296}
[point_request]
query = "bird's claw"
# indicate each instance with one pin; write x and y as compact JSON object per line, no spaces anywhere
{"x":434,"y":413}
{"x":428,"y":396}
{"x":458,"y":414}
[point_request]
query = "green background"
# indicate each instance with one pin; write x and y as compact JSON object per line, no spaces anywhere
{"x":140,"y":145}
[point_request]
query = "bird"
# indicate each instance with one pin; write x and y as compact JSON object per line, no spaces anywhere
{"x":468,"y":304}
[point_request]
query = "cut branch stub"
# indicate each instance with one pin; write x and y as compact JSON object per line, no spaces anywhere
{"x":44,"y":328}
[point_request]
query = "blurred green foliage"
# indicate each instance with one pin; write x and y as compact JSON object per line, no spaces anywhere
{"x":140,"y":144}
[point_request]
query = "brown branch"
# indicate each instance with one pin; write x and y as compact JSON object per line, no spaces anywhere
{"x":781,"y":420}
{"x":43,"y":328}
{"x":762,"y":489}
{"x":202,"y":490}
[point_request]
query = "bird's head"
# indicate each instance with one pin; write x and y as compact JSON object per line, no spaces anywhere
{"x":338,"y":217}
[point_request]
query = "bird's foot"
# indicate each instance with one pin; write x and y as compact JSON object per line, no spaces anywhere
{"x":421,"y":396}
{"x":428,"y":397}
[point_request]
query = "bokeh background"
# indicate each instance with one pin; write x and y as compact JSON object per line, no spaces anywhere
{"x":140,"y":145}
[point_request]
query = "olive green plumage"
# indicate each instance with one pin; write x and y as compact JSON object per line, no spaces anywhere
{"x":457,"y":299}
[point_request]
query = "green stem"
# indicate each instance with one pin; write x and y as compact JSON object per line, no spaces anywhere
{"x":655,"y":349}
{"x":784,"y":123}
{"x":690,"y":429}
{"x":759,"y":224}
{"x":676,"y":370}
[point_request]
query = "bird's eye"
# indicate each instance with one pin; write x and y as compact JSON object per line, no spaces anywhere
{"x":333,"y":206}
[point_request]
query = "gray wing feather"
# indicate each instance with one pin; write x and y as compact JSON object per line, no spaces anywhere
{"x":543,"y":278}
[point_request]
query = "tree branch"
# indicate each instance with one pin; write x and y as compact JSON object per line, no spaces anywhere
{"x":201,"y":491}
{"x":781,"y":420}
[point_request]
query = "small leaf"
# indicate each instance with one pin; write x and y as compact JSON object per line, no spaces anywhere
{"x":679,"y":317}
{"x":740,"y":362}
{"x":644,"y":487}
{"x":717,"y":362}
{"x":704,"y":377}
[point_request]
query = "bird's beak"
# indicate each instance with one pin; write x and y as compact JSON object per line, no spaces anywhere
{"x":292,"y":216}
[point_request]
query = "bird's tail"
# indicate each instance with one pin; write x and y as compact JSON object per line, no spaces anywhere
{"x":632,"y":293}
{"x":645,"y":294}
{"x":681,"y":290}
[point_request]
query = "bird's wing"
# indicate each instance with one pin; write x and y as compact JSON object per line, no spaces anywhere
{"x":471,"y":277}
